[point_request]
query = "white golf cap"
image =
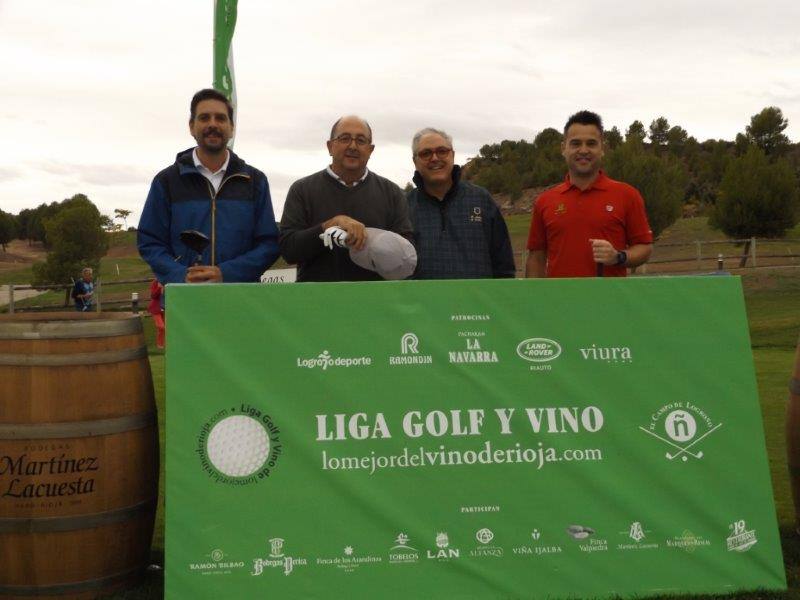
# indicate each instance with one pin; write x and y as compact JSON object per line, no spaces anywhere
{"x":388,"y":254}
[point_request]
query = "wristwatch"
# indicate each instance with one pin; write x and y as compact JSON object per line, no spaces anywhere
{"x":622,"y":257}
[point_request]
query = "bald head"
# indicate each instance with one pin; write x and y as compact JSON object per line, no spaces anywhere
{"x":346,"y":121}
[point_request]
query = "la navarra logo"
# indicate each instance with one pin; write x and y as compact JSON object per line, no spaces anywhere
{"x":681,"y":427}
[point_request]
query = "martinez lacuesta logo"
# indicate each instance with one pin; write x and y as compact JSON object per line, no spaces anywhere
{"x":681,"y":426}
{"x":239,"y":445}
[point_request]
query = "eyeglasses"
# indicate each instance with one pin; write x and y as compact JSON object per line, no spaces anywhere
{"x":346,"y":139}
{"x":440,"y":152}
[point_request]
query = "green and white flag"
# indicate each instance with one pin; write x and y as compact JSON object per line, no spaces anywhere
{"x":224,"y":26}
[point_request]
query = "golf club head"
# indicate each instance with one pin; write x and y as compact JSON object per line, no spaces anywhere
{"x":196,"y":241}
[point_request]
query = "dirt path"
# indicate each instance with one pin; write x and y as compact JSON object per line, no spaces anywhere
{"x":18,"y":294}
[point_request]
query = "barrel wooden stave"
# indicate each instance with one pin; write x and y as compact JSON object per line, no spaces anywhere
{"x":94,"y":416}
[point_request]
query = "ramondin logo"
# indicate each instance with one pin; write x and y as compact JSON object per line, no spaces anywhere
{"x":539,"y":350}
{"x":409,"y":352}
{"x":409,"y":343}
{"x":239,"y":446}
{"x":324,"y":361}
{"x":681,"y":426}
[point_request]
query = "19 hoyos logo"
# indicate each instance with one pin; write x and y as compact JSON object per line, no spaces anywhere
{"x":538,"y":350}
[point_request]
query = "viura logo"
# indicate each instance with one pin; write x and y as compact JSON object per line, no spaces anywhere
{"x":539,"y":351}
{"x":609,"y":354}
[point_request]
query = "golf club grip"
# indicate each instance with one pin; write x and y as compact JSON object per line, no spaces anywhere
{"x":599,"y":269}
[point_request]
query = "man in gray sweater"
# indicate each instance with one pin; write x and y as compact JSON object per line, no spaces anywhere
{"x":345,"y":195}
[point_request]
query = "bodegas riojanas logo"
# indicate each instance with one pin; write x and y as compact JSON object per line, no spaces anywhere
{"x":681,"y":426}
{"x":239,"y":445}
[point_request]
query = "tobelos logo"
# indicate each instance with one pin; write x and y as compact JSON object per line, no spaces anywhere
{"x":681,"y":426}
{"x":239,"y":446}
{"x":539,"y":350}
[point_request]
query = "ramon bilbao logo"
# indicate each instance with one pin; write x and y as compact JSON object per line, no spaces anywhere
{"x":681,"y":426}
{"x":240,"y":445}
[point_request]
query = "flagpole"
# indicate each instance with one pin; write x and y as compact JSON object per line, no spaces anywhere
{"x":225,"y":12}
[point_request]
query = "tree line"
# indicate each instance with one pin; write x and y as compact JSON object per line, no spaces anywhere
{"x":747,"y":187}
{"x":73,"y":231}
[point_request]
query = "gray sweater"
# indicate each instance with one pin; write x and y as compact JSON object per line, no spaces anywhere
{"x":375,"y":202}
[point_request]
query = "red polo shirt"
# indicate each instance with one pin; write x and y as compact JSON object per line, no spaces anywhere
{"x":565,"y":218}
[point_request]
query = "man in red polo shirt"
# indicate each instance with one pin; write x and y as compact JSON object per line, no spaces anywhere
{"x":590,"y":225}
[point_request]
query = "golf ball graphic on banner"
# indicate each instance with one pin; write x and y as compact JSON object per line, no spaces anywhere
{"x":239,"y":445}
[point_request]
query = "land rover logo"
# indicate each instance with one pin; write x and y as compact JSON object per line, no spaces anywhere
{"x":539,"y":350}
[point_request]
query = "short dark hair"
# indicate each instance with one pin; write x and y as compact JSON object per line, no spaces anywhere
{"x":335,"y":125}
{"x":585,"y":117}
{"x":209,"y":94}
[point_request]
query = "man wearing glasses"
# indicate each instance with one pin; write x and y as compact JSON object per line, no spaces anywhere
{"x":459,"y":231}
{"x":344,"y":195}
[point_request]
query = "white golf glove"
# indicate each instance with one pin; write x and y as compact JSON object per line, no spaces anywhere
{"x":333,"y":236}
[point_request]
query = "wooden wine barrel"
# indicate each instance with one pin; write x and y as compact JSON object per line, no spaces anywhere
{"x":793,"y":434}
{"x":78,"y":454}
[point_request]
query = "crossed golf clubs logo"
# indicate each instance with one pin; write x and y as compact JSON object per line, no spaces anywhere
{"x":681,"y":427}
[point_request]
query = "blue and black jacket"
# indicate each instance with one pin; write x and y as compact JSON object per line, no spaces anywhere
{"x":238,"y":220}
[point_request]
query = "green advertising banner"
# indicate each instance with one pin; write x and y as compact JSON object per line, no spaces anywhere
{"x":465,"y":439}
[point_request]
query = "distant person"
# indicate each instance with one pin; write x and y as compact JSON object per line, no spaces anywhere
{"x":213,"y":191}
{"x":327,"y":214}
{"x":156,"y":309}
{"x":83,"y":291}
{"x":458,"y":230}
{"x":590,"y":225}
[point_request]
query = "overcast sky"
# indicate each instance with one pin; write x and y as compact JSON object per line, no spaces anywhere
{"x":95,"y":93}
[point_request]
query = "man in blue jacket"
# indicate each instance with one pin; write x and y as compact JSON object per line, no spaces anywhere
{"x":211,"y":190}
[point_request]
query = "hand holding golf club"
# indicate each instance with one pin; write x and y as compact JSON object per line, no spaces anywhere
{"x":603,"y":252}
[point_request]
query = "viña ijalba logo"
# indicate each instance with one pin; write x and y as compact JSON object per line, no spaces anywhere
{"x":409,"y":352}
{"x":740,"y":539}
{"x":681,"y":426}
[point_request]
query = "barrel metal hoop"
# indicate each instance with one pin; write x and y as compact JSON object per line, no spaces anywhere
{"x":76,"y":429}
{"x":76,"y":359}
{"x":62,"y":589}
{"x":75,"y":522}
{"x":794,"y":386}
{"x":68,"y":330}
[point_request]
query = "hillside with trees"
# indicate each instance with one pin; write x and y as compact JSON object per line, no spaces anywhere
{"x":748,"y":186}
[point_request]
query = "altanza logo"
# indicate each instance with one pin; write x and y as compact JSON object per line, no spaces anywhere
{"x":325,"y":360}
